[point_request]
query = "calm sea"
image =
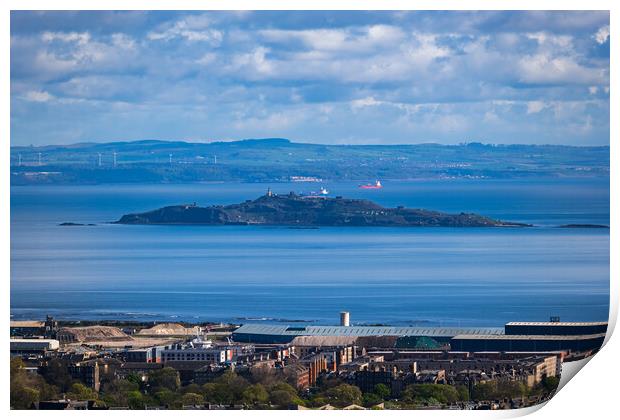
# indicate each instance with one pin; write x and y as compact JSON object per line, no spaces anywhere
{"x":400,"y":276}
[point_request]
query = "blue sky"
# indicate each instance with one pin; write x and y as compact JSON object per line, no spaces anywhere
{"x":322,"y":77}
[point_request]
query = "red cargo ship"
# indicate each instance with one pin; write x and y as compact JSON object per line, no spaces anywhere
{"x":377,"y":185}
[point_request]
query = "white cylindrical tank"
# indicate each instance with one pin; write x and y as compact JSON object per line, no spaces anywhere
{"x":344,"y":319}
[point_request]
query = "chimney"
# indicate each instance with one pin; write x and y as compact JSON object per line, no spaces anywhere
{"x":344,"y":319}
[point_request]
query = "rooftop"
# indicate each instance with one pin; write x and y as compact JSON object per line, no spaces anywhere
{"x":323,"y":341}
{"x":362,"y":331}
{"x":33,"y":340}
{"x":27,"y":324}
{"x":526,"y":337}
{"x":32,"y":344}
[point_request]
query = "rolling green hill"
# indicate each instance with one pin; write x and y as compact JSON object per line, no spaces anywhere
{"x":273,"y":160}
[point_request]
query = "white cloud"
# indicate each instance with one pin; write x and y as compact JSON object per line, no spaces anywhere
{"x":534,"y":107}
{"x":123,"y":41}
{"x":207,"y":59}
{"x":593,"y":90}
{"x":335,"y":56}
{"x":191,"y":28}
{"x":544,"y":68}
{"x":364,"y":102}
{"x":60,"y":55}
{"x":38,"y":96}
{"x":78,"y":37}
{"x":351,"y":40}
{"x":253,"y":64}
{"x":503,"y":102}
{"x":602,"y":34}
{"x":546,"y":39}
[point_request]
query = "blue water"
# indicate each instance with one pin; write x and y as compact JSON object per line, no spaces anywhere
{"x":400,"y":276}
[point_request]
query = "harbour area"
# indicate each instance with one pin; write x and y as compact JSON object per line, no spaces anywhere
{"x":150,"y":365}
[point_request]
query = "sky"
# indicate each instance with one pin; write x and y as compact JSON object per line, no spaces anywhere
{"x":321,"y":77}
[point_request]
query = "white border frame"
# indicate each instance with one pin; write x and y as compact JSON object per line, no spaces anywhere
{"x":592,"y":394}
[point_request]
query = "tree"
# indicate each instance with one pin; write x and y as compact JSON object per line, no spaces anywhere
{"x":135,"y":400}
{"x":23,"y":397}
{"x":218,"y":393}
{"x":510,"y":389}
{"x":191,"y":388}
{"x":192,"y":399}
{"x":463,"y":392}
{"x":344,"y":395}
{"x":282,"y":395}
{"x":56,"y":373}
{"x":115,"y":393}
{"x":318,"y":401}
{"x":232,"y":384}
{"x":17,"y":365}
{"x":165,"y":397}
{"x":81,"y":392}
{"x":327,"y":382}
{"x":281,"y":399}
{"x":382,"y":391}
{"x":370,"y":399}
{"x":165,"y":378}
{"x":255,"y":394}
{"x":483,"y":391}
{"x":27,"y":389}
{"x":283,"y":386}
{"x":494,"y":390}
{"x":550,"y":383}
{"x":430,"y":394}
{"x":136,"y":379}
{"x":264,"y":375}
{"x":120,"y":385}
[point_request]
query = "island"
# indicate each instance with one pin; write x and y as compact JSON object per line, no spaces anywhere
{"x":583,"y":226}
{"x":299,"y":210}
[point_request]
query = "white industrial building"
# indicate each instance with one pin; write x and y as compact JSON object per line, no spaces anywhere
{"x":196,"y":354}
{"x":33,"y":345}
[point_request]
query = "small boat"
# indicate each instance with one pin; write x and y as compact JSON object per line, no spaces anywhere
{"x":377,"y":185}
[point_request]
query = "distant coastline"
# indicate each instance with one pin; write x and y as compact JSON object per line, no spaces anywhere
{"x":281,"y":160}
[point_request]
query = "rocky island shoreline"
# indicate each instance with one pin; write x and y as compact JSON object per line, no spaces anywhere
{"x":298,"y":210}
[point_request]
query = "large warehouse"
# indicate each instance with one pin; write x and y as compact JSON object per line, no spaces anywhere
{"x":515,"y":336}
{"x":526,"y":342}
{"x":555,"y":328}
{"x":31,"y":346}
{"x":269,"y":334}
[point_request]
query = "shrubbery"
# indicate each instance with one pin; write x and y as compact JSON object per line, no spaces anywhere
{"x":270,"y":390}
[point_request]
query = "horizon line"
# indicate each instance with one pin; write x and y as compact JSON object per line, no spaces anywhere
{"x":267,"y":139}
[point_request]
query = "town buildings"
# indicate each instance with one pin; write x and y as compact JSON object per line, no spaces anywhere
{"x":304,"y":356}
